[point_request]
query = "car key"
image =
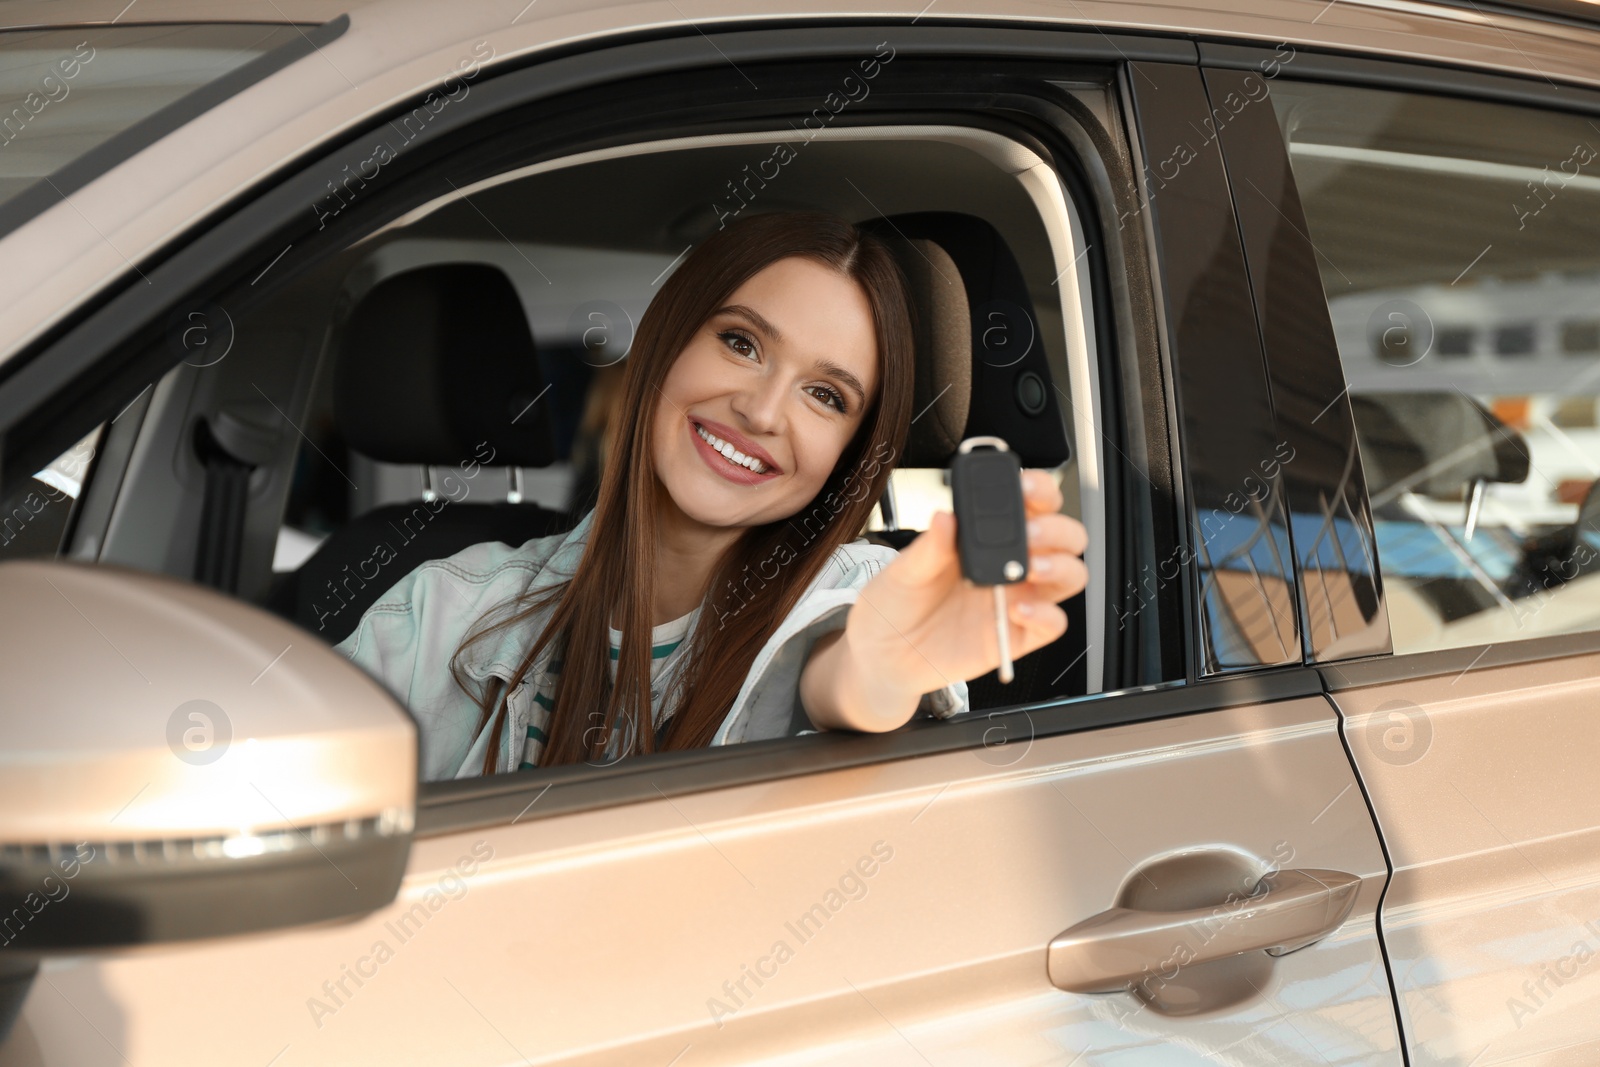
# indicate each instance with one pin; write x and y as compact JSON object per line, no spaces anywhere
{"x":991,"y":525}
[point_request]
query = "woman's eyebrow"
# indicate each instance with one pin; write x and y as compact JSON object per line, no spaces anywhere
{"x":850,"y":380}
{"x":754,"y":317}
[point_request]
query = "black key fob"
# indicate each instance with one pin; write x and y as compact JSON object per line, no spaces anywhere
{"x":991,"y":522}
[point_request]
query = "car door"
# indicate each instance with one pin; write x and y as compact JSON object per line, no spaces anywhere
{"x":1438,"y":231}
{"x":1179,"y":863}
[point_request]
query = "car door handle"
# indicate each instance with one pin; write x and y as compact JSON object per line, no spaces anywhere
{"x":1288,"y":910}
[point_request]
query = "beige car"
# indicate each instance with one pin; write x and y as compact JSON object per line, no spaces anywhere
{"x":1300,"y":299}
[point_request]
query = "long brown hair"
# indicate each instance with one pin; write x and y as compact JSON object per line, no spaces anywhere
{"x":616,"y":573}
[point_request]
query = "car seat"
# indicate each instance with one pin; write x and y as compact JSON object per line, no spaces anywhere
{"x":1433,"y":443}
{"x":435,"y":366}
{"x":1438,"y":445}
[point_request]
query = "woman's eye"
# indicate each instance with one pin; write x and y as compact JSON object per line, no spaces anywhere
{"x":830,"y":396}
{"x":746,"y":347}
{"x":733,"y":339}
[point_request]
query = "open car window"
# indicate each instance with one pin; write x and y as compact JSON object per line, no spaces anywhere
{"x":562,"y":293}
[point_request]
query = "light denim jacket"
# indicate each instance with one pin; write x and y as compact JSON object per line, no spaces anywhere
{"x":407,"y":638}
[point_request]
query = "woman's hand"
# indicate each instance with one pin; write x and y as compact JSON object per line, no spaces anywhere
{"x":919,"y":625}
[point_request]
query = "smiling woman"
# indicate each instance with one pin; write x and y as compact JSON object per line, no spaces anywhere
{"x":770,"y":376}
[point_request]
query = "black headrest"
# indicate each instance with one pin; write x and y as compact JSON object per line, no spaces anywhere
{"x":434,"y":361}
{"x":981,"y":366}
{"x":1434,"y":443}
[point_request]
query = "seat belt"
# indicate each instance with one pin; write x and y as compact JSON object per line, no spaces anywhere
{"x":230,"y":445}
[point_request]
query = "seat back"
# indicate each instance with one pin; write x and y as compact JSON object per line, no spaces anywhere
{"x":1433,"y":443}
{"x":981,"y":365}
{"x":435,"y":366}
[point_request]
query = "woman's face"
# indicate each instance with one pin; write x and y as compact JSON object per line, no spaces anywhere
{"x":781,"y":374}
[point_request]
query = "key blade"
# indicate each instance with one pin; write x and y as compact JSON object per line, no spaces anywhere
{"x":1002,"y":630}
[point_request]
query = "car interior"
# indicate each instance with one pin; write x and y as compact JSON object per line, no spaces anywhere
{"x":1451,"y":579}
{"x":447,"y":378}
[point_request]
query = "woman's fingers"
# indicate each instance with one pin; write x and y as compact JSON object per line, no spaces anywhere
{"x":1057,"y":575}
{"x":1040,"y":493}
{"x":1057,"y":533}
{"x":1041,"y":623}
{"x":1047,"y":527}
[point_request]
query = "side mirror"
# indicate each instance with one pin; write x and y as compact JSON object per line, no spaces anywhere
{"x":176,"y":764}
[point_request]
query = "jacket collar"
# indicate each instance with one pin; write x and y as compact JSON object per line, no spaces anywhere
{"x":499,"y":654}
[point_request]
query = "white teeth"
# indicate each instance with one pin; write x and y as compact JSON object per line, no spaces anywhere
{"x":731,"y":454}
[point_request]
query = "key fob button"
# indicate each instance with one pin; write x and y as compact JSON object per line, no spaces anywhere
{"x":994,"y":530}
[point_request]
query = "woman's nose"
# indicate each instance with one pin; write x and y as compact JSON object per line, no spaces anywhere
{"x":760,"y":404}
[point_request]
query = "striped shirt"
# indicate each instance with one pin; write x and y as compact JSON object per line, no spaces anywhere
{"x":665,"y":640}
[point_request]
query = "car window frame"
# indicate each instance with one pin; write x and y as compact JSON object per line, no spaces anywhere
{"x":85,"y":355}
{"x":1535,"y":89}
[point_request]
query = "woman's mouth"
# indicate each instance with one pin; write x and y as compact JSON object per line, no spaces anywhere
{"x":728,"y":461}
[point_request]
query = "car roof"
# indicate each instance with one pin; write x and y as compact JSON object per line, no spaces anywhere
{"x":1552,"y":33}
{"x":22,"y":14}
{"x":16,"y":14}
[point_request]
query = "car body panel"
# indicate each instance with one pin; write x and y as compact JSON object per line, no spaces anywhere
{"x":606,"y":936}
{"x":1482,"y":781}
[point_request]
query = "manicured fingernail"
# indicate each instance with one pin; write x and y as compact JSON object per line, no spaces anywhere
{"x":1043,"y":565}
{"x":1024,"y":608}
{"x":1033,"y":529}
